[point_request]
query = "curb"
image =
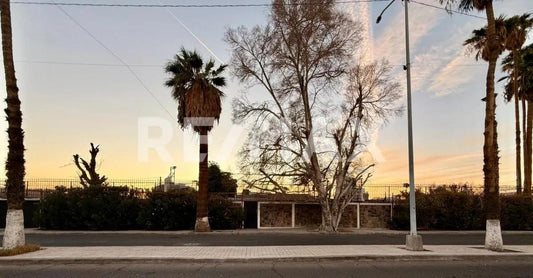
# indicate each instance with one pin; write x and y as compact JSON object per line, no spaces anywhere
{"x":362,"y":258}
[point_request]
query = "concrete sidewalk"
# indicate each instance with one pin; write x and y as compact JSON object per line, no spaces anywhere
{"x":137,"y":254}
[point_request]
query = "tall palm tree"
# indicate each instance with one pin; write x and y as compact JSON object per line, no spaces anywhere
{"x":520,"y":66}
{"x":195,"y":86}
{"x":14,"y":232}
{"x":516,"y":34}
{"x":493,"y":49}
{"x":526,"y":81}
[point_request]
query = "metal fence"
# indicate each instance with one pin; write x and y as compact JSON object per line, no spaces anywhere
{"x":37,"y":188}
{"x":389,"y":192}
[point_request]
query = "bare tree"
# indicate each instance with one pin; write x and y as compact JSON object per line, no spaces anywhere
{"x":307,"y":125}
{"x":88,"y":173}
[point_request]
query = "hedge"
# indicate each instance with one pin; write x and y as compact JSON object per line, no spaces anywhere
{"x":459,"y":208}
{"x":30,"y":207}
{"x":121,"y":208}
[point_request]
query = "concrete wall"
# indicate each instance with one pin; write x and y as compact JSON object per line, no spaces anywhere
{"x":291,"y":215}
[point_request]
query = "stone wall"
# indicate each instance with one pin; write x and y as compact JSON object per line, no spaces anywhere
{"x":309,"y":215}
{"x":349,"y":217}
{"x":276,"y":215}
{"x":375,"y":216}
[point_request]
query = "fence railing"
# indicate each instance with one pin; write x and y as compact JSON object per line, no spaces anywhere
{"x":388,"y":192}
{"x":37,"y":188}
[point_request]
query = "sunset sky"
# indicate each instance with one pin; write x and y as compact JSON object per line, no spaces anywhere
{"x":75,"y":88}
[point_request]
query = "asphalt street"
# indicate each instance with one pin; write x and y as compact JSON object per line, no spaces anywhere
{"x":262,"y":239}
{"x":485,"y":268}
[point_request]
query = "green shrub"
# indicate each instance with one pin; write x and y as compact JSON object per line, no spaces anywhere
{"x":29,"y":209}
{"x":120,"y":208}
{"x":54,"y":211}
{"x":175,"y":210}
{"x":458,"y":208}
{"x":517,"y":212}
{"x":224,"y":215}
{"x":92,"y":208}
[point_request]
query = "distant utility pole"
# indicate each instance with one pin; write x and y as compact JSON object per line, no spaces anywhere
{"x":413,"y":240}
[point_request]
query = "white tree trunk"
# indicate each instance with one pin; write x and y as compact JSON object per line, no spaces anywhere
{"x":14,"y":232}
{"x":493,"y":235}
{"x":202,"y":224}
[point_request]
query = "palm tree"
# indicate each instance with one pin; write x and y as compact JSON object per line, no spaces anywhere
{"x":195,"y":88}
{"x":492,"y":50}
{"x":516,"y":34}
{"x":520,"y":66}
{"x":14,"y":232}
{"x":516,"y":29}
{"x":526,"y":82}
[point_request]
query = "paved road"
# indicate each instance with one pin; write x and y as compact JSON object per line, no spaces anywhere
{"x":491,"y":268}
{"x":262,"y":239}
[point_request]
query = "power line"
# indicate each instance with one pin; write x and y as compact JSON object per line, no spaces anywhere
{"x":160,"y":66}
{"x":184,"y":5}
{"x":193,"y":34}
{"x":116,"y":57}
{"x":444,"y":9}
{"x":222,"y":5}
{"x":87,"y":64}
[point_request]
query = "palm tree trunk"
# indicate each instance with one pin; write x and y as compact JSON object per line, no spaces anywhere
{"x":528,"y":148}
{"x":524,"y":136}
{"x":493,"y":237}
{"x":517,"y":127}
{"x":202,"y":220}
{"x":14,"y":232}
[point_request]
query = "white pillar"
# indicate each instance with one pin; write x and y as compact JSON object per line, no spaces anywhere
{"x":358,"y":216}
{"x":293,"y":215}
{"x":258,"y":215}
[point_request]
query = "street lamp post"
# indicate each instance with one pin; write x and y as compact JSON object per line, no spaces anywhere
{"x":413,"y":240}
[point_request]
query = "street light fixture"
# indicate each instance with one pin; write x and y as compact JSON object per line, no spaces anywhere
{"x":413,"y":240}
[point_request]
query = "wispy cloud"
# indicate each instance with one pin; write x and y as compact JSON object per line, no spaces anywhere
{"x":391,"y":44}
{"x":459,"y":69}
{"x":453,"y":76}
{"x":430,"y":168}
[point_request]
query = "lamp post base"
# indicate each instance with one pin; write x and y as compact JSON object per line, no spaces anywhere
{"x":414,"y":243}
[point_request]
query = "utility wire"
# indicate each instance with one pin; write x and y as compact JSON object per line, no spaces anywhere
{"x":185,"y":5}
{"x":193,"y":35}
{"x":159,"y":66}
{"x":87,"y":64}
{"x":444,"y":9}
{"x":116,"y":57}
{"x":222,"y":5}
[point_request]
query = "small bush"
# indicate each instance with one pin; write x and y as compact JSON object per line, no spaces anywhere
{"x":458,"y":208}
